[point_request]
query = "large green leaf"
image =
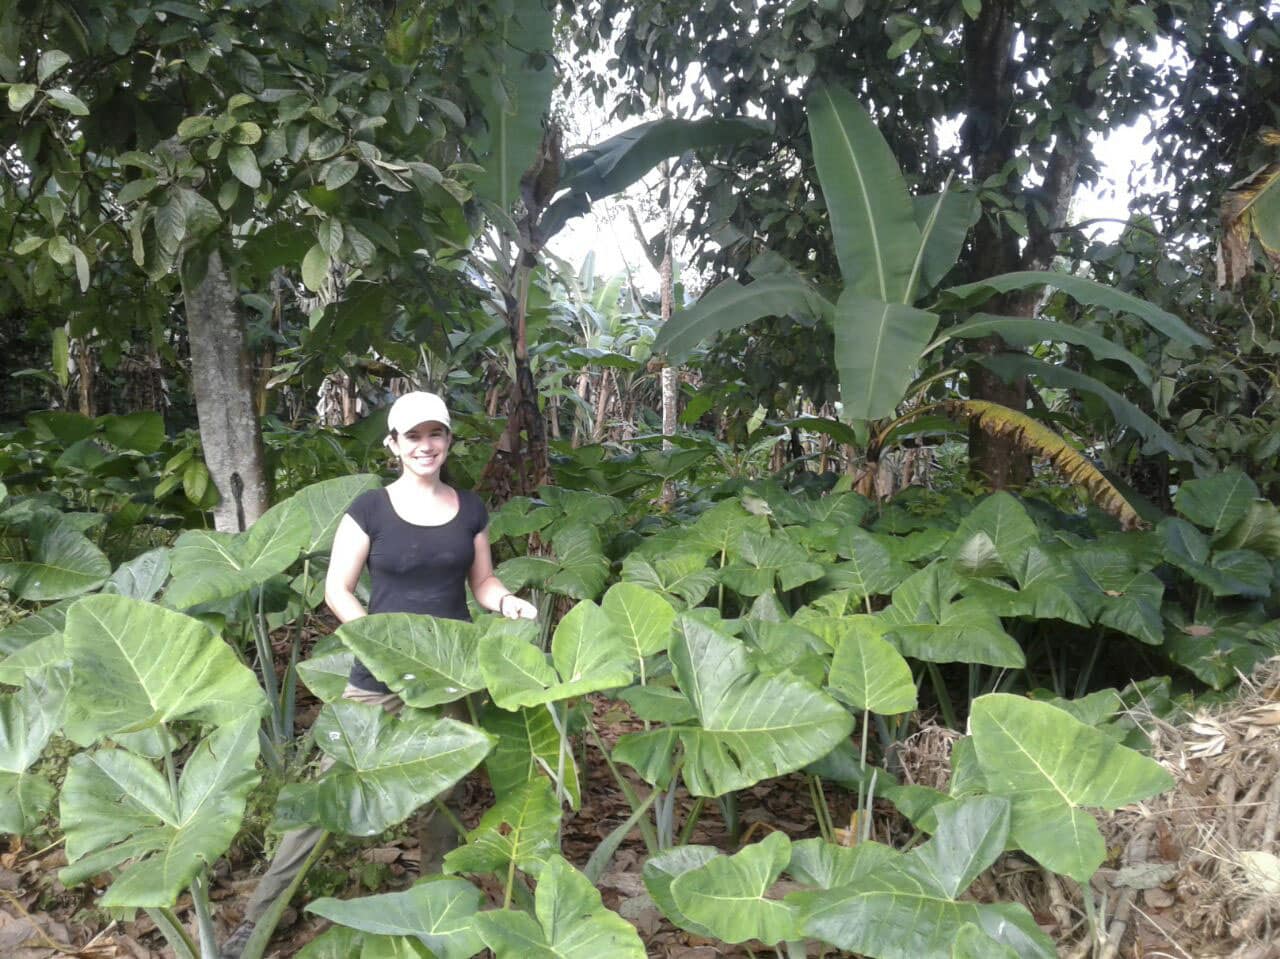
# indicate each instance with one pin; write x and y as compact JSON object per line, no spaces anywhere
{"x":1082,"y":290}
{"x":28,"y":718}
{"x":878,"y":347}
{"x":999,"y":523}
{"x":905,"y":907}
{"x":868,"y":673}
{"x":641,"y":620}
{"x":514,"y":97}
{"x":571,"y":923}
{"x":583,"y":567}
{"x":426,"y":660}
{"x":1125,"y":596}
{"x":63,"y":563}
{"x":1022,"y":332}
{"x":117,"y":806}
{"x":522,"y":828}
{"x":662,"y":870}
{"x":384,"y":767}
{"x":944,"y":220}
{"x":826,"y":866}
{"x":1050,"y":765}
{"x":871,"y":569}
{"x":872,"y":221}
{"x":32,"y":642}
{"x":524,"y":737}
{"x":682,"y":574}
{"x":438,"y":913}
{"x":1258,"y":529}
{"x":209,"y":566}
{"x":1008,"y":366}
{"x":1216,"y":502}
{"x":730,"y":305}
{"x":141,"y":577}
{"x":1233,"y":572}
{"x":758,"y":560}
{"x":613,"y":165}
{"x":926,"y":623}
{"x":324,"y":504}
{"x":343,"y":943}
{"x":751,"y":726}
{"x":137,"y":665}
{"x":726,"y":895}
{"x":587,"y":653}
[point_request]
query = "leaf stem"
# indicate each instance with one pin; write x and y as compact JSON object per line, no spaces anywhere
{"x":258,"y":941}
{"x":944,"y":696}
{"x":646,"y":827}
{"x":174,"y":933}
{"x":204,"y":920}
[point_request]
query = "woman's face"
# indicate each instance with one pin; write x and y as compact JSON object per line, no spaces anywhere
{"x":423,"y":448}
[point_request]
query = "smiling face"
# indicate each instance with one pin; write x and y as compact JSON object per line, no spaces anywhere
{"x":423,"y":448}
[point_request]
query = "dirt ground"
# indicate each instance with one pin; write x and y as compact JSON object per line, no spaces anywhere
{"x":1193,"y":873}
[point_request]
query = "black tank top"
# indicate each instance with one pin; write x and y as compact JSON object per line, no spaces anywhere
{"x":416,"y":569}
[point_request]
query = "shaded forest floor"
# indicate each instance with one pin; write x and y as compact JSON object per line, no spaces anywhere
{"x":1192,"y":874}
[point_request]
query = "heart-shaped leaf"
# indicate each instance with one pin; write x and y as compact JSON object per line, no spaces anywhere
{"x":571,"y":923}
{"x":63,"y":562}
{"x":727,"y":894}
{"x":524,"y":737}
{"x":116,"y":806}
{"x":28,"y":718}
{"x":438,"y":913}
{"x":209,"y":566}
{"x":522,"y":828}
{"x":136,"y":665}
{"x":384,"y":767}
{"x":751,"y":726}
{"x":426,"y":660}
{"x":868,"y":673}
{"x":1050,"y":765}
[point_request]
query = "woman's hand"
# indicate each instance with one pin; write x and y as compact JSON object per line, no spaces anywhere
{"x":513,"y":607}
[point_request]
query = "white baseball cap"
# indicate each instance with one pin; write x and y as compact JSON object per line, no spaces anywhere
{"x":414,"y":408}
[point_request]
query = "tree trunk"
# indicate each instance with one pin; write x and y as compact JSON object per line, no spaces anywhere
{"x":223,"y":382}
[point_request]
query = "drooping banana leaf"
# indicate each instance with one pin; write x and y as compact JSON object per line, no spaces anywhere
{"x":730,"y":305}
{"x":1022,"y":332}
{"x":1036,"y":438}
{"x":1011,"y":365}
{"x":613,"y":165}
{"x":1082,"y":290}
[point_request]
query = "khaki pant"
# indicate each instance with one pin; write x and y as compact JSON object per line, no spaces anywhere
{"x":436,"y":838}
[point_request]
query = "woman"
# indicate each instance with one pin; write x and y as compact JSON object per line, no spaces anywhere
{"x":422,"y":541}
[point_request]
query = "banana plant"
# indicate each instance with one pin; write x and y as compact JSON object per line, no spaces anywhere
{"x":893,"y":249}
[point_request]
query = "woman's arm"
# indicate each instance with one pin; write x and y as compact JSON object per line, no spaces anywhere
{"x":346,"y":560}
{"x":488,"y":589}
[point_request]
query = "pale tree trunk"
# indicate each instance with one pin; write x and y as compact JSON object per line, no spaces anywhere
{"x":670,"y":377}
{"x":222,"y":378}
